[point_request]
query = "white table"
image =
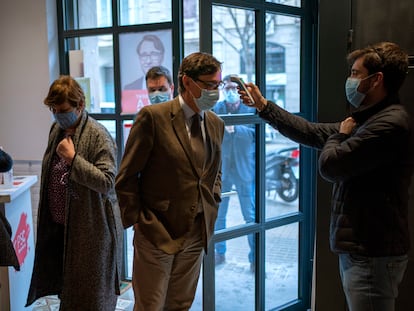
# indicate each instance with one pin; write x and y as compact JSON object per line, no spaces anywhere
{"x":16,"y":203}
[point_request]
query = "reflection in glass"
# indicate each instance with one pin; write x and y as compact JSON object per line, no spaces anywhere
{"x":283,"y":61}
{"x":88,"y":14}
{"x":97,"y":69}
{"x":234,"y":41}
{"x":144,"y":11}
{"x":296,"y":3}
{"x":282,"y":174}
{"x":138,"y":53}
{"x":281,"y":265}
{"x":235,"y":282}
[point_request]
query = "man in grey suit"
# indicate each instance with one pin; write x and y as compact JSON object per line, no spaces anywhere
{"x":167,"y":192}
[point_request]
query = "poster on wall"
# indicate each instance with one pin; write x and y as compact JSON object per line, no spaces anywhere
{"x":138,"y":53}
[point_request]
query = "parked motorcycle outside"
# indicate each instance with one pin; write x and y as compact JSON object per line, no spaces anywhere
{"x":282,"y":168}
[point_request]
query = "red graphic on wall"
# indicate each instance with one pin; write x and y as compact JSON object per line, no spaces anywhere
{"x":20,"y":241}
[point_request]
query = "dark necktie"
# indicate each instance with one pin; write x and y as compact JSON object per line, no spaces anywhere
{"x":197,"y":142}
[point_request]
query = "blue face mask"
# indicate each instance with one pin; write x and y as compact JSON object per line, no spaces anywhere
{"x":355,"y":97}
{"x":208,"y":99}
{"x":66,"y":120}
{"x":232,"y":96}
{"x":158,"y":97}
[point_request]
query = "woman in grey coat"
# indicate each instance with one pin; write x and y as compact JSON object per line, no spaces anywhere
{"x":79,"y":233}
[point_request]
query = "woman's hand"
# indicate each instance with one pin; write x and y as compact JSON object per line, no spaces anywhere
{"x":66,"y":149}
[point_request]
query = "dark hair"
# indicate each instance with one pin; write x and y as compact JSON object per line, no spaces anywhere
{"x":385,"y":57}
{"x":157,"y":72}
{"x":195,"y":65}
{"x":154,"y":39}
{"x":64,"y":89}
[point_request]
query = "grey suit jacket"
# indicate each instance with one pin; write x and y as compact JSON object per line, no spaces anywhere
{"x":159,"y":184}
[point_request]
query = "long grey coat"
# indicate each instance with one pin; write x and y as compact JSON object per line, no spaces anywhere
{"x":90,"y":252}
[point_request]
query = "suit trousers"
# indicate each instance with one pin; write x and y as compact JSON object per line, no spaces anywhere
{"x":164,"y":281}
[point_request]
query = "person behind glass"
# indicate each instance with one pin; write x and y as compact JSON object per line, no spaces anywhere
{"x":160,"y":85}
{"x":169,"y":187}
{"x":368,"y":158}
{"x":79,"y":232}
{"x":238,"y":166}
{"x":8,"y":255}
{"x":150,"y":52}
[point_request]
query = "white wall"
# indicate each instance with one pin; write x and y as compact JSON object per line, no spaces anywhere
{"x":24,"y":77}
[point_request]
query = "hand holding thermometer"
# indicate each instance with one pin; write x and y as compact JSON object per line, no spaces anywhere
{"x":242,"y":86}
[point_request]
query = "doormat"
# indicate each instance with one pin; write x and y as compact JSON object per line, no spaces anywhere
{"x":125,"y":285}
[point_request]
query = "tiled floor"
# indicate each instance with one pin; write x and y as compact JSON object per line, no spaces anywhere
{"x":51,"y":303}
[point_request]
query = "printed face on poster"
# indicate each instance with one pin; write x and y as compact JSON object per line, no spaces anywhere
{"x":138,"y":53}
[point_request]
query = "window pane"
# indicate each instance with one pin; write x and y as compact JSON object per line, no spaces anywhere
{"x":96,"y":70}
{"x":138,"y":53}
{"x":282,"y":174}
{"x":191,"y":27}
{"x":198,"y":298}
{"x":133,"y":12}
{"x":88,"y":14}
{"x":296,"y":3}
{"x":283,"y":61}
{"x":238,"y":175}
{"x":129,"y":253}
{"x":281,"y":266}
{"x":235,"y":282}
{"x":234,"y":41}
{"x":110,"y":126}
{"x":126,"y":127}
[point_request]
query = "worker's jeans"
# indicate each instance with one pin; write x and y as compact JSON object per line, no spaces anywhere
{"x":371,"y":283}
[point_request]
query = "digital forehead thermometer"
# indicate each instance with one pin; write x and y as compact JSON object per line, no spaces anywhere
{"x":242,"y":86}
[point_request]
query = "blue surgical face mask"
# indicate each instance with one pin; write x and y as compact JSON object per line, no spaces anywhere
{"x":208,"y":99}
{"x":159,"y":97}
{"x":232,"y":96}
{"x":66,"y":120}
{"x":355,"y":97}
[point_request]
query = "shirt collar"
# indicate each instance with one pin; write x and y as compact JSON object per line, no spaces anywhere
{"x":188,"y":112}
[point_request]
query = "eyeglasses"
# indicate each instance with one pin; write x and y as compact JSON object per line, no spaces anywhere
{"x":211,"y":85}
{"x":230,"y":88}
{"x":152,"y":56}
